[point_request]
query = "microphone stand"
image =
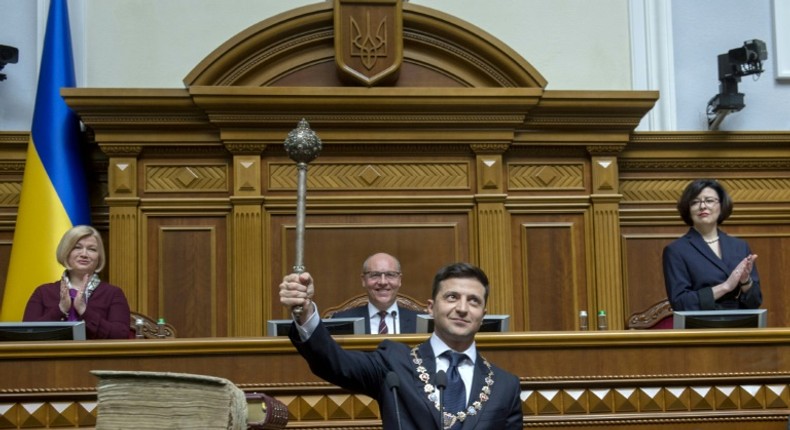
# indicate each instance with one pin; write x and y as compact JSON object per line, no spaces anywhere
{"x":395,"y":322}
{"x":393,"y":383}
{"x":441,"y":384}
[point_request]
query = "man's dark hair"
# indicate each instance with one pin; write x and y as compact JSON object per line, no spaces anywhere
{"x":462,"y":271}
{"x":692,"y":191}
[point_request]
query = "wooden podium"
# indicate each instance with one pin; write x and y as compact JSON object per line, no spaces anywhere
{"x":703,"y":379}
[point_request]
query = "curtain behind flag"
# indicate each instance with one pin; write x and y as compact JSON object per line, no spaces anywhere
{"x":54,"y":192}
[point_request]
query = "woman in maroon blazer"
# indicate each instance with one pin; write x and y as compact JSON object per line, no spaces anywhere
{"x":80,"y":295}
{"x":707,"y":268}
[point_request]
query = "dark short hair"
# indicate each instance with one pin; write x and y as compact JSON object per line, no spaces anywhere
{"x":692,"y":191}
{"x":462,"y":271}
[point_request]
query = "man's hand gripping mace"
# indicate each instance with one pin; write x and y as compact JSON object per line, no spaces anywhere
{"x":302,"y":146}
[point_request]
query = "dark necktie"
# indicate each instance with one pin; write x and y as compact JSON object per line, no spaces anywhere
{"x":455,"y":393}
{"x":382,"y":322}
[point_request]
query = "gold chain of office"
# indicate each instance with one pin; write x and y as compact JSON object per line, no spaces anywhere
{"x":433,"y":395}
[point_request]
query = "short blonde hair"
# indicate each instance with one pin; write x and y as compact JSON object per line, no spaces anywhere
{"x":70,"y":239}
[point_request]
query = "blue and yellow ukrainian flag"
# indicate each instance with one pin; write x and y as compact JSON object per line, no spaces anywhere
{"x":54,"y":192}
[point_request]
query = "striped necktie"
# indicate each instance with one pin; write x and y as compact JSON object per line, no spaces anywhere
{"x":383,"y":322}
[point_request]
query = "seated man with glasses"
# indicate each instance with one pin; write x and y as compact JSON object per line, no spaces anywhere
{"x":708,"y":269}
{"x":381,"y":277}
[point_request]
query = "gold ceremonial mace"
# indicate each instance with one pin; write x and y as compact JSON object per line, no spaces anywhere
{"x":303,"y":146}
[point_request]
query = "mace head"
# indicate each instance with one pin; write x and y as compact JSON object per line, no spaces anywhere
{"x":302,"y":144}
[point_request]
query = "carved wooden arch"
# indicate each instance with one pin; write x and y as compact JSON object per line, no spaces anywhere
{"x":296,"y":48}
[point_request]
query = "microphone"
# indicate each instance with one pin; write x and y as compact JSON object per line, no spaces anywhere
{"x":395,"y":322}
{"x":393,"y":383}
{"x":441,"y":384}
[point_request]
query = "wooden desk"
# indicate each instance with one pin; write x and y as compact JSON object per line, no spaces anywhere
{"x":655,"y":379}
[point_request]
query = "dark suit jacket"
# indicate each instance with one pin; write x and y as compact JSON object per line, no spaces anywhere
{"x":106,"y":317}
{"x":691,"y":269}
{"x":365,"y":373}
{"x":407,"y":318}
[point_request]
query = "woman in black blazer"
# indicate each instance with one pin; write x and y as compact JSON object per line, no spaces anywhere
{"x":706,"y":268}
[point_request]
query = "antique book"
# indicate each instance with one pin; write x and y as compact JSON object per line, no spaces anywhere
{"x":159,"y":400}
{"x":265,"y":412}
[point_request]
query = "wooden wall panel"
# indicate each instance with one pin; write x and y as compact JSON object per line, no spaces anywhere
{"x":773,"y":262}
{"x":643,"y":278}
{"x":187,"y":274}
{"x":336,"y":246}
{"x":550,"y":257}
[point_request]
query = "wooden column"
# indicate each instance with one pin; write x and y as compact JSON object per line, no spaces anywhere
{"x":493,"y":231}
{"x":246,"y":302}
{"x":124,"y":202}
{"x":608,"y":292}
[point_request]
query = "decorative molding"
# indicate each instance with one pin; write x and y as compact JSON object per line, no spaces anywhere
{"x":542,"y":150}
{"x":728,"y":165}
{"x":49,"y":414}
{"x":133,"y":118}
{"x":604,"y":174}
{"x":258,"y":56}
{"x":461,"y":53}
{"x":186,"y":178}
{"x":374,"y":176}
{"x":563,"y":403}
{"x":545,"y":176}
{"x":489,"y":148}
{"x":604,"y":149}
{"x":352,"y":117}
{"x":12,"y":166}
{"x":607,"y":248}
{"x":124,"y":245}
{"x":652,"y":190}
{"x":121,"y":150}
{"x":241,"y":70}
{"x":762,"y":138}
{"x":369,"y":149}
{"x":187,"y":149}
{"x":9,"y":193}
{"x":245,"y":148}
{"x":8,"y":138}
{"x":247,"y":300}
{"x":587,"y":122}
{"x":123,"y":176}
{"x":493,"y":230}
{"x":247,"y":175}
{"x":742,"y":190}
{"x":489,"y":173}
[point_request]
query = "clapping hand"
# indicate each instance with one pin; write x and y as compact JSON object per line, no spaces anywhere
{"x":741,"y":275}
{"x":65,"y":298}
{"x":80,"y":304}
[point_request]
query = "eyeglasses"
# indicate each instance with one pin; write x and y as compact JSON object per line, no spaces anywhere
{"x":709,"y":202}
{"x":390,"y":276}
